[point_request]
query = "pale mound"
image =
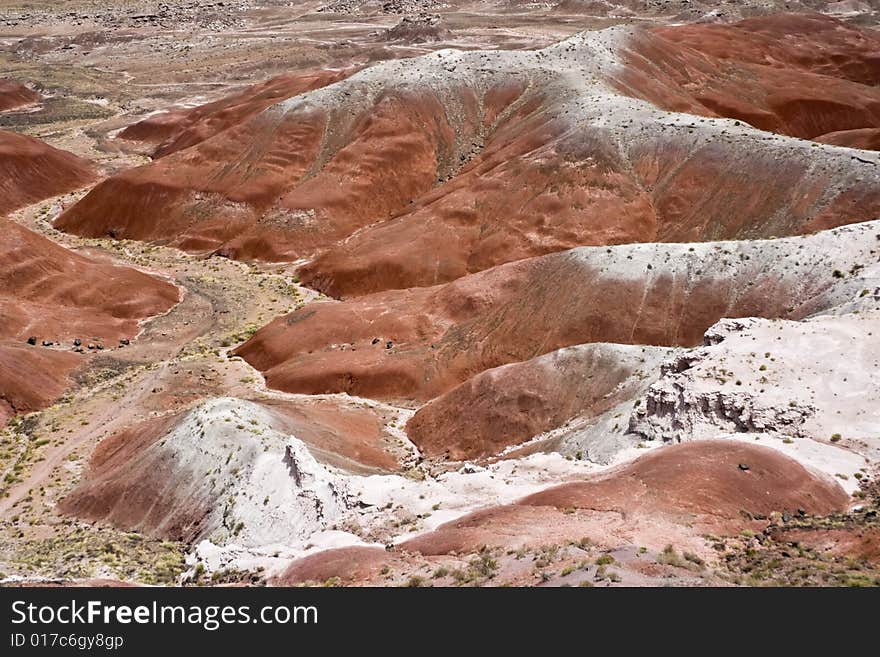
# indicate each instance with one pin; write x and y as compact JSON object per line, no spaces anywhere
{"x":181,"y":128}
{"x":671,"y":494}
{"x":810,"y":379}
{"x":31,"y":170}
{"x":54,"y":294}
{"x":227,"y":470}
{"x":417,"y":344}
{"x":420,"y":28}
{"x":31,"y":378}
{"x":508,"y":405}
{"x":803,"y":75}
{"x":14,"y":94}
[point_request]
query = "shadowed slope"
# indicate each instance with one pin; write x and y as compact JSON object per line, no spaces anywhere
{"x":508,"y":405}
{"x":56,"y":294}
{"x":47,"y":377}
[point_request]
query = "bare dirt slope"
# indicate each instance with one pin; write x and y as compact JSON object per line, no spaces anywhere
{"x":478,"y":292}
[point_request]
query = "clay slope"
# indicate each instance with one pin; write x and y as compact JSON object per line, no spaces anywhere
{"x":475,"y":159}
{"x":302,"y":174}
{"x":417,"y":344}
{"x":863,"y":138}
{"x":47,"y":377}
{"x":181,"y":128}
{"x":31,"y":170}
{"x":227,"y":462}
{"x":803,"y":75}
{"x":55,"y":294}
{"x":510,"y":404}
{"x":661,"y":498}
{"x":14,"y":94}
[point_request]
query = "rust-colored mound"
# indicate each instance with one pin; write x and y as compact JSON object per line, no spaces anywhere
{"x":353,"y":438}
{"x":534,"y":191}
{"x":120,"y":488}
{"x":695,"y":488}
{"x":864,"y":138}
{"x":14,"y":94}
{"x":803,"y":75}
{"x":297,"y":177}
{"x":348,"y":563}
{"x":181,"y":128}
{"x":55,"y":294}
{"x":717,"y":478}
{"x":508,"y":405}
{"x":31,"y":378}
{"x":31,"y":170}
{"x":419,"y":343}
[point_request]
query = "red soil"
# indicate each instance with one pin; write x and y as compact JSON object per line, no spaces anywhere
{"x":348,"y":564}
{"x":353,"y":438}
{"x":47,"y":376}
{"x":560,"y":194}
{"x":508,"y":405}
{"x":128,"y":488}
{"x":287,"y":181}
{"x":445,"y":334}
{"x":803,"y":75}
{"x":673,"y":492}
{"x":865,"y":138}
{"x":181,"y":128}
{"x":420,"y":186}
{"x":55,"y":294}
{"x":14,"y":94}
{"x":31,"y":170}
{"x":702,"y":478}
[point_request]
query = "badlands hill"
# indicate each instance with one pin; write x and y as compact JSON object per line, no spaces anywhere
{"x":177,"y":129}
{"x":480,"y":158}
{"x":517,"y":293}
{"x":50,"y":295}
{"x":53,"y":297}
